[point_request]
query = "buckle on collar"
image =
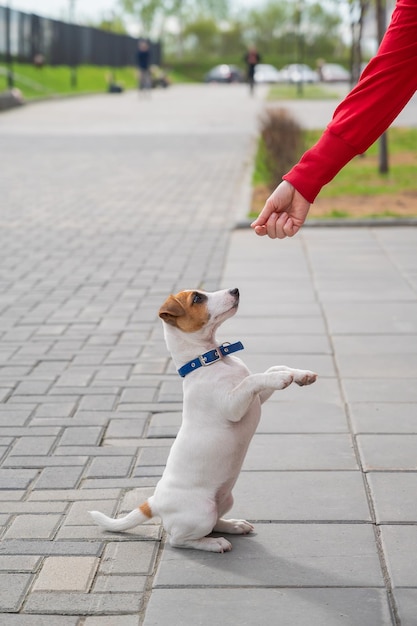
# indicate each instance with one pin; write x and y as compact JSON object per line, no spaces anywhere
{"x":216,"y":356}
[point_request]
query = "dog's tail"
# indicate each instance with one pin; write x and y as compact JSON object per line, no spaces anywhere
{"x":139,"y":515}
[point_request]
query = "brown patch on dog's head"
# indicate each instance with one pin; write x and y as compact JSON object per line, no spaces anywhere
{"x":187,"y":310}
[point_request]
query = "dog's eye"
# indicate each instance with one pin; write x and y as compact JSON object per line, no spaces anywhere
{"x":198,"y":298}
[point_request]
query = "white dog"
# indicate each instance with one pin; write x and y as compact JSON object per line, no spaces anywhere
{"x":222,"y":408}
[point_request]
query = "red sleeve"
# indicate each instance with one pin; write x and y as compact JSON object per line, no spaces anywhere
{"x":386,"y":85}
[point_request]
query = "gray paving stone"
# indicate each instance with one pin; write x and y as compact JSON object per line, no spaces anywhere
{"x":373,"y":344}
{"x":133,"y":558}
{"x":19,"y":563}
{"x":73,"y":603}
{"x":114,"y":620}
{"x":46,"y":548}
{"x":12,"y":590}
{"x":252,"y":607}
{"x":388,"y":452}
{"x":300,"y":496}
{"x":81,"y":436}
{"x":380,"y":390}
{"x":119,"y":584}
{"x":281,"y":555}
{"x":38,"y":620}
{"x":406,"y":600}
{"x":138,"y":395}
{"x":300,"y":452}
{"x":61,"y":477}
{"x":399,"y":542}
{"x":73,"y":495}
{"x":45,"y":461}
{"x":58,"y":409}
{"x":384,"y":417}
{"x":114,"y":466}
{"x":35,"y":507}
{"x":16,"y":478}
{"x":372,"y":317}
{"x":98,"y":403}
{"x":155,"y":455}
{"x":30,"y":388}
{"x":164,"y":425}
{"x":33,"y":527}
{"x":374,"y":365}
{"x":302,"y":417}
{"x":393,"y":494}
{"x":125,"y":428}
{"x":33,"y":446}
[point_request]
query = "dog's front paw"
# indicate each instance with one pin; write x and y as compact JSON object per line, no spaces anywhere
{"x":240,"y":527}
{"x":304,"y":377}
{"x":280,"y":380}
{"x":233,"y":526}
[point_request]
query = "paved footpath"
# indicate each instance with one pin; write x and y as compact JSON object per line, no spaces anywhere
{"x":109,"y":203}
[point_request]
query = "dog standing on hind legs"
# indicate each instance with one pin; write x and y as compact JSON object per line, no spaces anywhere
{"x":221,"y":411}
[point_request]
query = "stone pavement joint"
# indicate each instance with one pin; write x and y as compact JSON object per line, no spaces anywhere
{"x":108,"y":205}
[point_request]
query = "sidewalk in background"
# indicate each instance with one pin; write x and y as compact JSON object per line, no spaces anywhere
{"x":110,"y":203}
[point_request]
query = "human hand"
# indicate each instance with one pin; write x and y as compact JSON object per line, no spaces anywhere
{"x":283,"y":214}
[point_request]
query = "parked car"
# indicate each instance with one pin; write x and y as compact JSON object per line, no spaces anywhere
{"x":224,"y":74}
{"x":299,"y":73}
{"x":265,"y":73}
{"x":333,"y":73}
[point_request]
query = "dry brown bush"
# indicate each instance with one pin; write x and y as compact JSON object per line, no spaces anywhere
{"x":284,"y":144}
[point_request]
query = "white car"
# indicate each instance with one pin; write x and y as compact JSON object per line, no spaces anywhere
{"x":265,"y":73}
{"x":333,"y":73}
{"x":299,"y":73}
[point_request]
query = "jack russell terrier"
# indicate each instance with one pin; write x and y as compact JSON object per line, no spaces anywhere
{"x":222,"y":408}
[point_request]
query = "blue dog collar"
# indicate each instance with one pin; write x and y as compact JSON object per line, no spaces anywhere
{"x":208,"y":358}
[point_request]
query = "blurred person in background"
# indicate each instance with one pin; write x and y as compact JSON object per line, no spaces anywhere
{"x":251,"y":58}
{"x":143,"y":61}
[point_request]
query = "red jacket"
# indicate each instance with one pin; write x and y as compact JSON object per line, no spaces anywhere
{"x":386,"y":85}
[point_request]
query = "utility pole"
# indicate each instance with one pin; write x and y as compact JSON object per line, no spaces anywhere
{"x":381,"y":10}
{"x":298,"y":16}
{"x":73,"y":51}
{"x":9,"y":58}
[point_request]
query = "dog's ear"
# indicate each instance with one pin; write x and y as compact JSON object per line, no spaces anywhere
{"x":170,"y":310}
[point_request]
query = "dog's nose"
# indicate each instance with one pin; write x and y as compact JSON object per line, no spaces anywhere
{"x":234,"y":292}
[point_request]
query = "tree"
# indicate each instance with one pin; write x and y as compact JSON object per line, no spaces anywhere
{"x":152,"y":14}
{"x":113,"y":23}
{"x":358,"y":10}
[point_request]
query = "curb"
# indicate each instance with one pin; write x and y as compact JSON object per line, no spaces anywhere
{"x":345,"y":222}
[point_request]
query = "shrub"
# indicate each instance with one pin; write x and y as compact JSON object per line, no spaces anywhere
{"x":283,"y":141}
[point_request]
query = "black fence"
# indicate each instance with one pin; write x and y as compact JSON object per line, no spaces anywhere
{"x":29,"y":38}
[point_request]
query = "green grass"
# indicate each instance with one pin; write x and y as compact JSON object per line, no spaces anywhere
{"x":361,"y":175}
{"x":308,"y":92}
{"x":46,"y":81}
{"x":49,"y":80}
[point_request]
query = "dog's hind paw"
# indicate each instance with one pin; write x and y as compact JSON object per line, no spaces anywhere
{"x":208,"y":544}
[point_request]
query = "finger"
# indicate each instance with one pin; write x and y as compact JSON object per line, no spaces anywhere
{"x":260,"y":230}
{"x":280,"y":225}
{"x":271,"y":226}
{"x":264,"y":215}
{"x":290,"y":229}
